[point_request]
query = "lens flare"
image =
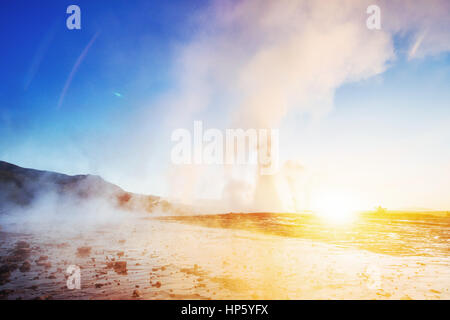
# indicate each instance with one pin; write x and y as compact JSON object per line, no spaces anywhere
{"x":336,"y":208}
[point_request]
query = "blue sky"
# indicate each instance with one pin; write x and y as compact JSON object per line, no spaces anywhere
{"x":127,"y":63}
{"x":39,"y":53}
{"x":129,"y":67}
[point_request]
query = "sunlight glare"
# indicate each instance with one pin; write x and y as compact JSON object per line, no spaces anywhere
{"x":336,"y":208}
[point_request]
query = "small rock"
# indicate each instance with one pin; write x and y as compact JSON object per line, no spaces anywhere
{"x":120,"y":267}
{"x":137,"y":293}
{"x":84,"y":251}
{"x":25,"y":267}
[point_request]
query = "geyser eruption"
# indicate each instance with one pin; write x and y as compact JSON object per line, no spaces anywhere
{"x":266,"y":193}
{"x":260,"y":62}
{"x":299,"y":53}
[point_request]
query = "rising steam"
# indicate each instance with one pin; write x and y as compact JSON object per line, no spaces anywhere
{"x":259,"y":61}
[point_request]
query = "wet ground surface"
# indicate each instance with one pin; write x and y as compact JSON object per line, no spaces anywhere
{"x":406,"y":235}
{"x":178,"y":258}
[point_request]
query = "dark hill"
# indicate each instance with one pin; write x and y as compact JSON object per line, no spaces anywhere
{"x":19,"y":187}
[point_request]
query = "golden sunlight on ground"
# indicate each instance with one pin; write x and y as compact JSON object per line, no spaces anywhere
{"x":336,"y":207}
{"x":234,"y":256}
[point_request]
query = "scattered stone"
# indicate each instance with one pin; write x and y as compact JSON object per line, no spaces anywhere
{"x":19,"y":254}
{"x":137,"y":293}
{"x":157,"y":284}
{"x":25,"y":267}
{"x":84,"y":251}
{"x":120,"y":254}
{"x":119,"y":267}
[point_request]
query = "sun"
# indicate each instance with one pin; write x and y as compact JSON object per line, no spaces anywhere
{"x":336,"y":207}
